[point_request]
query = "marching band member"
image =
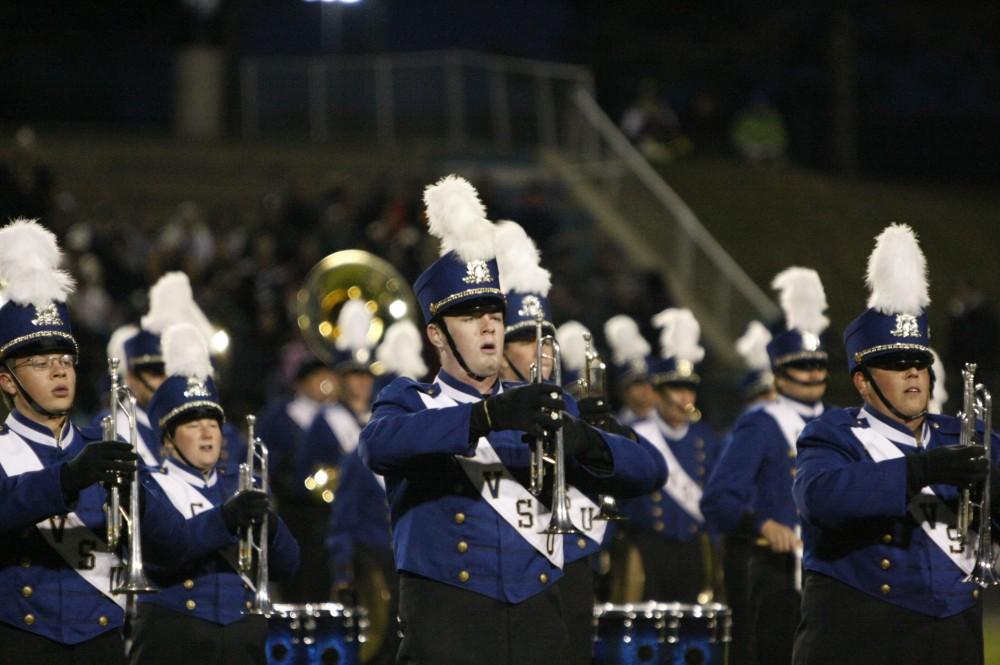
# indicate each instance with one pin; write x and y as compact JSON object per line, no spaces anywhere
{"x":202,"y":605}
{"x":465,"y":529}
{"x":629,"y":358}
{"x":667,"y":525}
{"x":876,"y":486}
{"x":142,"y":372}
{"x":752,"y":483}
{"x":56,"y":570}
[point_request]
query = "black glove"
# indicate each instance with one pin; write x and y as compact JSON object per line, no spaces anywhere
{"x":585,"y":443}
{"x":596,"y":411}
{"x":960,"y":466}
{"x":535,"y":409}
{"x":243,"y":509}
{"x":98,"y":462}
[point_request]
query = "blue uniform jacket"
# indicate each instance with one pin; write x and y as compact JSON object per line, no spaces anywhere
{"x":202,"y":582}
{"x":442,"y":528}
{"x":856,"y":527}
{"x":756,"y":468}
{"x":359,"y":515}
{"x":334,"y":433}
{"x":43,"y":593}
{"x":282,"y":425}
{"x":697,"y":450}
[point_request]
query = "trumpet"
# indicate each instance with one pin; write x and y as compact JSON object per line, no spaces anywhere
{"x":256,"y":461}
{"x":560,"y":521}
{"x":977,"y":404}
{"x":123,"y":402}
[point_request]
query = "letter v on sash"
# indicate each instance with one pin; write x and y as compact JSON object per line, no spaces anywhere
{"x":57,"y":529}
{"x":492,"y":479}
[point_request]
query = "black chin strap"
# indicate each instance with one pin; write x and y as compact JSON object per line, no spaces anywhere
{"x":784,"y":374}
{"x":889,"y":405}
{"x":26,"y":396}
{"x":514,"y":369}
{"x":458,"y":356}
{"x":145,"y":384}
{"x":177,"y":451}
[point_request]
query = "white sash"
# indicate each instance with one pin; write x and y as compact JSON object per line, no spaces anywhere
{"x":344,"y":426}
{"x":927,"y":508}
{"x":73,"y":540}
{"x":143,"y":449}
{"x":789,"y":421}
{"x":680,"y":486}
{"x":186,"y":499}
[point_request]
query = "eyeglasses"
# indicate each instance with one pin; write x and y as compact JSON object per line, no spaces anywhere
{"x":44,"y":363}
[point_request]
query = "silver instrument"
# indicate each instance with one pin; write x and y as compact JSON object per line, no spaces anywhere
{"x":249,"y":544}
{"x":122,"y":401}
{"x":977,"y":404}
{"x":560,"y":521}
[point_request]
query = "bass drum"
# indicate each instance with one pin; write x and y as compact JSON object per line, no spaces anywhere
{"x":315,"y":634}
{"x":662,"y":634}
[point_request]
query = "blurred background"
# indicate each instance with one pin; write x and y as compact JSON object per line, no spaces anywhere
{"x":661,"y":153}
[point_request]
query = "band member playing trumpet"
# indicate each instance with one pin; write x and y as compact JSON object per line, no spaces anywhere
{"x":752,"y":483}
{"x":56,"y":568}
{"x":667,"y":525}
{"x":205,"y":601}
{"x":886,"y":578}
{"x":468,"y":537}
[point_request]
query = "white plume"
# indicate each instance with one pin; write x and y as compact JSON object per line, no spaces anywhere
{"x":572,"y":345}
{"x":116,"y":345}
{"x":897,"y":272}
{"x":457,"y":217}
{"x":170,"y":302}
{"x":29,"y":265}
{"x":518,"y":260}
{"x":353,"y":321}
{"x":679,"y":335}
{"x":939,"y":395}
{"x":185,"y":352}
{"x":401,"y":350}
{"x":626,"y":342}
{"x":752,"y":346}
{"x":802,"y":299}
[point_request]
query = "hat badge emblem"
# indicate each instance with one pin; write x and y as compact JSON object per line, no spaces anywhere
{"x":531,"y":307}
{"x":477,"y":272}
{"x":47,"y":316}
{"x":196,"y":388}
{"x":906,"y":326}
{"x":685,"y":367}
{"x":810,"y":342}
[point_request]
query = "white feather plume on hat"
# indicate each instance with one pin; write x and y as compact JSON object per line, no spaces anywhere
{"x":679,"y":335}
{"x":116,"y":345}
{"x":518,"y":260}
{"x":353,"y":321}
{"x":752,"y":346}
{"x":171,"y":301}
{"x":802,"y":299}
{"x":185,"y":352}
{"x":457,"y":217}
{"x":897,"y":272}
{"x":939,"y":394}
{"x":626,"y":342}
{"x":29,"y":265}
{"x":572,"y":344}
{"x":401,"y":350}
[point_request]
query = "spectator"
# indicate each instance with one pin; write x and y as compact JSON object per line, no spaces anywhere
{"x":759,"y":132}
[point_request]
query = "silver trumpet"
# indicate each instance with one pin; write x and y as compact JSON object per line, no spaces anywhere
{"x":560,"y":521}
{"x":133,"y":580}
{"x":977,"y":404}
{"x":256,"y":461}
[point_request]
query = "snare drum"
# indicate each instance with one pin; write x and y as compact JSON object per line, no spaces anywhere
{"x":661,"y":634}
{"x":318,"y":633}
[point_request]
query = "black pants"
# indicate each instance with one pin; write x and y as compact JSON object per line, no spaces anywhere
{"x":168,"y":637}
{"x":774,"y":605}
{"x":307,"y":520}
{"x":23,"y":648}
{"x":577,"y":590}
{"x":369,"y":565}
{"x":736,"y":569}
{"x":445,"y":625}
{"x":674,"y":570}
{"x":843,"y":625}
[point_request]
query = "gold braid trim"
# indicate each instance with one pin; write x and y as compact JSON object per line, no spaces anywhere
{"x":38,"y":335}
{"x":187,"y":406}
{"x":899,"y":346}
{"x":482,"y":291}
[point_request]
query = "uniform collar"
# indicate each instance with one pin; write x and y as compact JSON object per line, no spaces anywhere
{"x":189,"y":474}
{"x":302,"y":410}
{"x":672,"y":433}
{"x":450,"y":386}
{"x":32,"y":431}
{"x":804,"y":409}
{"x":890,"y":429}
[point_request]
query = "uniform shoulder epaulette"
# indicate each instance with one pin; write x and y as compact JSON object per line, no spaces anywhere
{"x":947,"y":424}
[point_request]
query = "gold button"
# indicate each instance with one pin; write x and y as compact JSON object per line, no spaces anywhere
{"x":248,"y":604}
{"x":462,"y":547}
{"x":25,"y":563}
{"x":975,"y":593}
{"x":693,"y":528}
{"x":27,"y":591}
{"x":935,"y":426}
{"x":885,"y":563}
{"x":103,"y":621}
{"x":885,"y":588}
{"x":699,"y":443}
{"x":29,"y":619}
{"x":700,"y":456}
{"x":190,"y":604}
{"x":459,"y":518}
{"x":658,"y":526}
{"x":656,"y":496}
{"x":791,"y":454}
{"x":701,"y":471}
{"x":463,"y":576}
{"x":657,"y":511}
{"x":543,"y":578}
{"x":581,"y":543}
{"x":791,"y":472}
{"x":887,"y":538}
{"x":189,"y":584}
